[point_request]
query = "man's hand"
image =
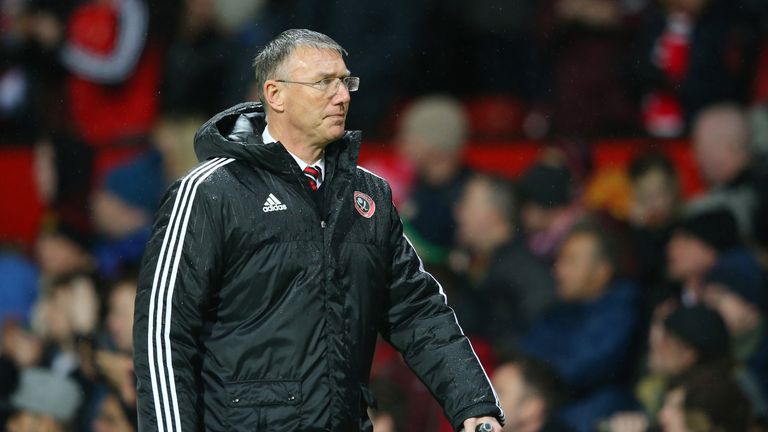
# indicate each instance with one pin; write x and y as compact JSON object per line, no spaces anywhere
{"x":471,"y":423}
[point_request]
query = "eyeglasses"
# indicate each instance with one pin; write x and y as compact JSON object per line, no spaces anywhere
{"x":330,"y":85}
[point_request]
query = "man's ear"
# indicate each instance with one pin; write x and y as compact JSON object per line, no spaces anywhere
{"x":273,"y":95}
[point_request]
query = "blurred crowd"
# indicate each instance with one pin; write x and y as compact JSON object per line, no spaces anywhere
{"x":645,"y":311}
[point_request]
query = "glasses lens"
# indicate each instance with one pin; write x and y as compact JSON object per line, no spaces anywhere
{"x":352,"y":83}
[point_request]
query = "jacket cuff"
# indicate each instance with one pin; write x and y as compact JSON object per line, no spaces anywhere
{"x":482,"y":409}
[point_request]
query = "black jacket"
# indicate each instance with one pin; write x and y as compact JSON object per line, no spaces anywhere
{"x":259,"y":301}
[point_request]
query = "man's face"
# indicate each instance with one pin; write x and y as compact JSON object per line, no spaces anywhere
{"x":524,"y":411}
{"x":655,"y":198}
{"x":536,"y":218}
{"x":688,"y":257}
{"x":576,"y":268}
{"x":316,"y":116}
{"x":716,"y":145}
{"x":475,"y":214}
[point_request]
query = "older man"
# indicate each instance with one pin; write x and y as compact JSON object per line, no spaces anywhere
{"x":276,"y":262}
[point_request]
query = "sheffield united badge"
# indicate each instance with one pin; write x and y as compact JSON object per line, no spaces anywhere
{"x":364,"y":205}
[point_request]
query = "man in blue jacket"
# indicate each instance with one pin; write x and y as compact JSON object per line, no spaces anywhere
{"x":587,"y":335}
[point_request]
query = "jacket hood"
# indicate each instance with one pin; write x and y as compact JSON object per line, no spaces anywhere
{"x":236,"y":133}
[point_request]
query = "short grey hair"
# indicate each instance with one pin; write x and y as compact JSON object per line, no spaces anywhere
{"x":276,"y":51}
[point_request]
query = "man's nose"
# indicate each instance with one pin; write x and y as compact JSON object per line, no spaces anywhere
{"x":342,"y":94}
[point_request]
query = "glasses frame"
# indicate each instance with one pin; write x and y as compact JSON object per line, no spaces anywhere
{"x":348,"y":81}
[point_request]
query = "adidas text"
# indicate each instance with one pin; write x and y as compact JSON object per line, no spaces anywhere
{"x":273,"y":204}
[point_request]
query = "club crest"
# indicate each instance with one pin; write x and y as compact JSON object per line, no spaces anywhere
{"x":364,"y":205}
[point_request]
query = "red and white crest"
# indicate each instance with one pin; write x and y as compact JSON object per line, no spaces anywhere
{"x":364,"y":205}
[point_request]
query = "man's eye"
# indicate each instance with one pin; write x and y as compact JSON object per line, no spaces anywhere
{"x":327,"y":82}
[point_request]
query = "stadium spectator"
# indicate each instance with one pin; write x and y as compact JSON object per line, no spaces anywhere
{"x":62,"y":249}
{"x":548,"y":206}
{"x":587,"y":336}
{"x":113,"y":416}
{"x":687,"y":338}
{"x":122,"y":208}
{"x":531,"y":393}
{"x":721,"y":144}
{"x":705,"y":400}
{"x":696,"y":245}
{"x":433,"y":131}
{"x":513,"y":286}
{"x":655,"y":206}
{"x":67,"y":313}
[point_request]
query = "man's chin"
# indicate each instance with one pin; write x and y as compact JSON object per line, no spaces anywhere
{"x":336,"y":131}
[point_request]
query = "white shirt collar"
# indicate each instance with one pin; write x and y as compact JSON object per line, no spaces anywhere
{"x":266,"y":137}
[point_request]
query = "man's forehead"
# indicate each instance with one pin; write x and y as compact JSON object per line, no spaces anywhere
{"x":321,"y":61}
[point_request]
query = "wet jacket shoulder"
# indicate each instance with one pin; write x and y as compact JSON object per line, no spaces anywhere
{"x":260,"y":301}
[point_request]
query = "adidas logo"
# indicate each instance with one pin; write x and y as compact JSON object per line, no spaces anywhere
{"x":273,"y":204}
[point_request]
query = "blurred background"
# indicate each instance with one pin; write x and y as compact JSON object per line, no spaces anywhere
{"x":588,"y":179}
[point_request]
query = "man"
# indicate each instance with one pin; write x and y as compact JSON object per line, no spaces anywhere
{"x":587,"y":336}
{"x":696,"y":245}
{"x":721,"y":144}
{"x":275,"y":263}
{"x":706,"y":399}
{"x":548,"y":209}
{"x":517,"y":286}
{"x":432,"y":136}
{"x":530,"y":393}
{"x":689,"y":339}
{"x":655,"y":207}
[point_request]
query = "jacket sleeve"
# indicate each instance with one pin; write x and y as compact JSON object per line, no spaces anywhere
{"x":180,"y":264}
{"x":421,"y":325}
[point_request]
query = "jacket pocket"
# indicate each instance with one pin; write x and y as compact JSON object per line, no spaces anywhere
{"x":264,"y":405}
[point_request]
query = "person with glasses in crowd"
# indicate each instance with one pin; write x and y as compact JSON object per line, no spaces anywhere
{"x":276,"y":263}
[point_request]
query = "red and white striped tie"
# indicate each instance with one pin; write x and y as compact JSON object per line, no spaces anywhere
{"x":314,"y":176}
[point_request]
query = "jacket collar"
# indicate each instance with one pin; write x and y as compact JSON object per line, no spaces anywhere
{"x":236,"y":133}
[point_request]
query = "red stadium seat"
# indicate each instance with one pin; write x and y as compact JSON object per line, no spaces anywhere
{"x":495,"y":116}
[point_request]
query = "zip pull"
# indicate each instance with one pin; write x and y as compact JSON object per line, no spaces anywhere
{"x":322,"y":224}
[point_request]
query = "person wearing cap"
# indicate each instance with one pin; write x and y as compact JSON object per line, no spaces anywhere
{"x":43,"y":402}
{"x":695,"y":247}
{"x":706,"y":399}
{"x":688,"y":337}
{"x":739,"y":296}
{"x":431,"y":137}
{"x":548,"y":210}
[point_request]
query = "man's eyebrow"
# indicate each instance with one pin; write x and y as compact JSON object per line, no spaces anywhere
{"x":333,"y":75}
